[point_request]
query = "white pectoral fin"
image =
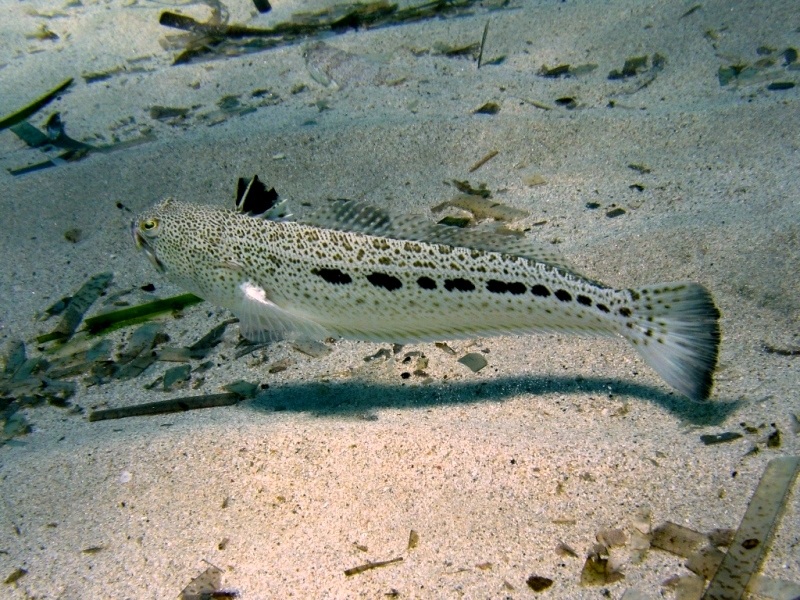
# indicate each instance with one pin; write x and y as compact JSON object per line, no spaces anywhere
{"x":261,"y":320}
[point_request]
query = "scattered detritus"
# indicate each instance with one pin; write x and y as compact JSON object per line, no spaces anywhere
{"x":311,"y":348}
{"x":566,"y":70}
{"x":207,"y":586}
{"x":489,"y":108}
{"x":770,"y":349}
{"x":465,"y":188}
{"x":215,"y":38}
{"x":54,"y":141}
{"x":640,"y":168}
{"x":413,"y":540}
{"x":538,"y":583}
{"x":483,"y":160}
{"x":751,"y":541}
{"x":481,"y":208}
{"x":176,"y":377}
{"x":243,"y":389}
{"x":598,"y":569}
{"x":732,"y":572}
{"x":371,"y":565}
{"x":719,"y":438}
{"x":474,"y":361}
{"x":771,"y":68}
{"x":483,"y":44}
{"x":77,"y":307}
{"x":642,"y":70}
{"x":15,"y":575}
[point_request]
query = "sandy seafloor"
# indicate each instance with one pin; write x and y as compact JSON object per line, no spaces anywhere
{"x":339,"y":459}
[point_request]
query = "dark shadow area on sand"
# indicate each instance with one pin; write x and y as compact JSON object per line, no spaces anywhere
{"x":359,"y":398}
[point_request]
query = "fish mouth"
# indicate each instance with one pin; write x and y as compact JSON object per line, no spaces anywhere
{"x":143,"y":245}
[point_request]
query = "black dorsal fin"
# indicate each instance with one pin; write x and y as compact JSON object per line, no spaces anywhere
{"x":254,"y":199}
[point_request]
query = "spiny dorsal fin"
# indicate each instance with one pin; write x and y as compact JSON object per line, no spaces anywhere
{"x":254,"y":199}
{"x":361,"y":217}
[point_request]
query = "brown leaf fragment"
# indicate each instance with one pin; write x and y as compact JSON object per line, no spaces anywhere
{"x":562,"y":70}
{"x":280,"y":365}
{"x":564,"y":549}
{"x":484,"y":160}
{"x":168,"y":113}
{"x":687,"y":587}
{"x":73,"y":235}
{"x":465,"y":188}
{"x":454,"y":50}
{"x":719,"y":438}
{"x":489,"y":108}
{"x":413,"y":539}
{"x":640,"y":168}
{"x":16,"y":574}
{"x":705,"y":561}
{"x":677,"y":539}
{"x":443,"y":346}
{"x":202,"y":586}
{"x":538,"y":583}
{"x":774,"y":438}
{"x":598,"y":571}
{"x":611,"y":537}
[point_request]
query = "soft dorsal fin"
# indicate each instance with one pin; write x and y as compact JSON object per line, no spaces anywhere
{"x":361,"y":217}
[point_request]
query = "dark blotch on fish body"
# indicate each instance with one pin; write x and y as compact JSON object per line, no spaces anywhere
{"x":426,"y":283}
{"x":459,"y":284}
{"x":502,"y":287}
{"x":540,"y":290}
{"x":334,"y":276}
{"x":390,"y":282}
{"x":563,"y":295}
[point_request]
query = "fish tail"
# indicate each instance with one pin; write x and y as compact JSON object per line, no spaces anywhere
{"x":675,"y":328}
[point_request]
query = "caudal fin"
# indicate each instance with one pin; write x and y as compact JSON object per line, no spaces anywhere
{"x":675,"y":327}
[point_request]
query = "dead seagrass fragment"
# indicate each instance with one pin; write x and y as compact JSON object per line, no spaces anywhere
{"x":78,"y":305}
{"x":751,"y":541}
{"x":166,"y":406}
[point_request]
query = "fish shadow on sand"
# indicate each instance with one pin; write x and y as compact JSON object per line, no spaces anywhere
{"x":355,"y":398}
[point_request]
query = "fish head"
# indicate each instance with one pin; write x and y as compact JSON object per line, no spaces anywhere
{"x":180,"y":239}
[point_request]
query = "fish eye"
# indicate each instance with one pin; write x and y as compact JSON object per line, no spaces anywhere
{"x":149,"y":225}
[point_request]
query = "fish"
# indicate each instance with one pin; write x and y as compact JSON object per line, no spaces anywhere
{"x":353,"y":270}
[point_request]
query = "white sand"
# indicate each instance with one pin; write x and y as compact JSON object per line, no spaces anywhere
{"x":556,"y":439}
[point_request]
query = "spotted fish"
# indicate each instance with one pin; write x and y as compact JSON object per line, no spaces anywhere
{"x":352,"y":270}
